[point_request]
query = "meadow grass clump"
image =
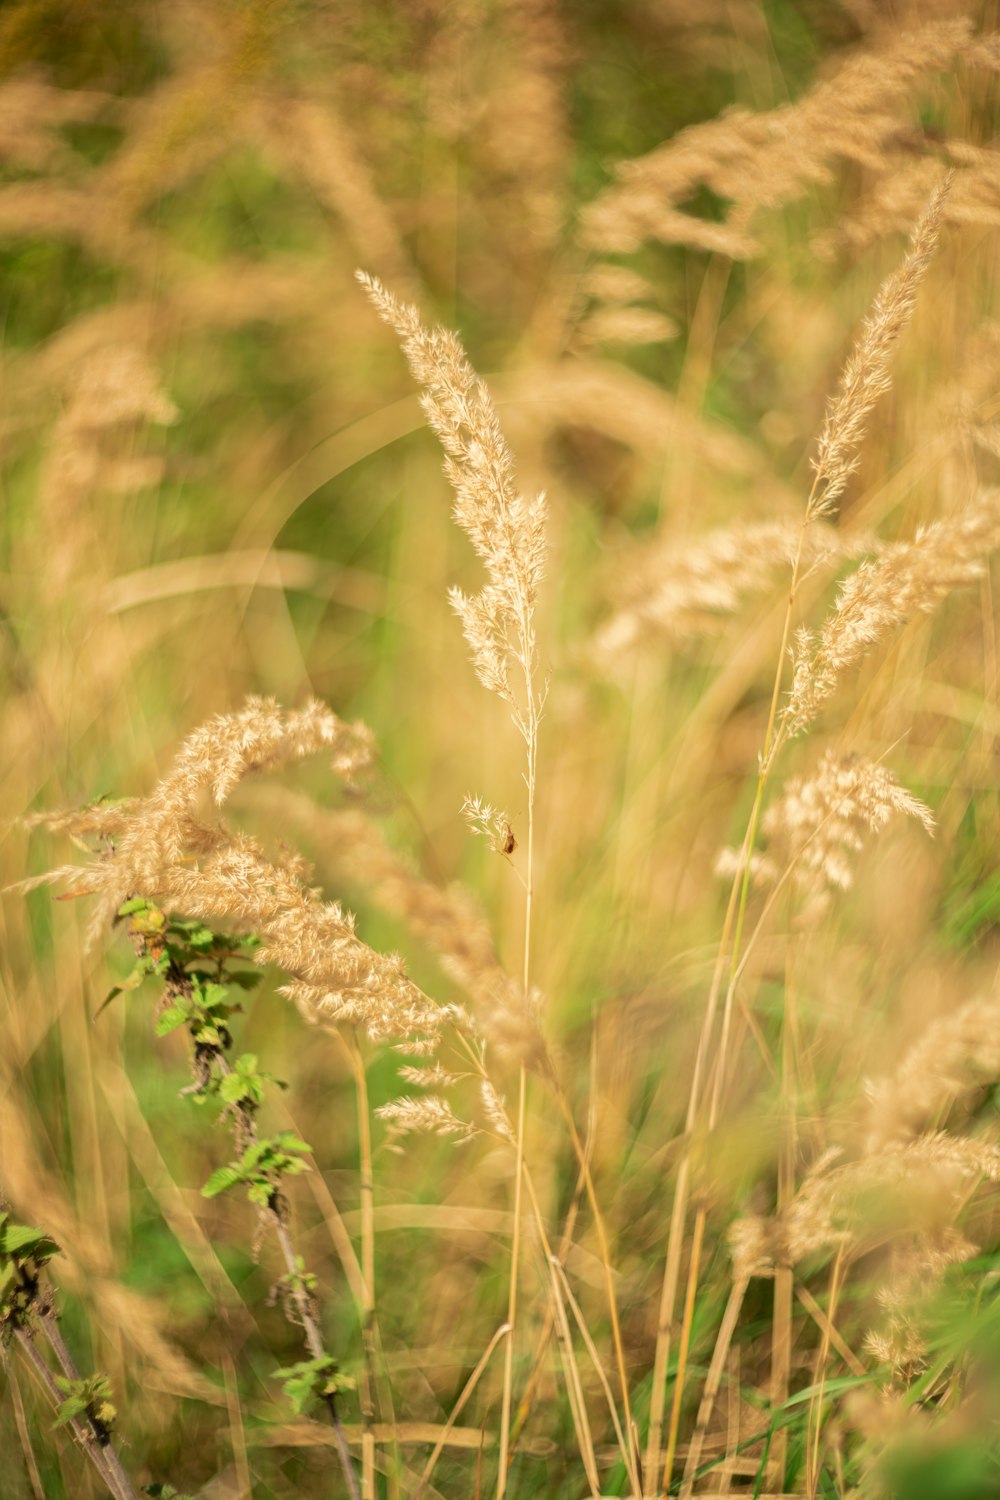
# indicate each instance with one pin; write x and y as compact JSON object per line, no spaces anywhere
{"x":582,"y":1089}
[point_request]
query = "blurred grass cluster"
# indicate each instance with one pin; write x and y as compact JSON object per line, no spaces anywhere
{"x":217,"y":481}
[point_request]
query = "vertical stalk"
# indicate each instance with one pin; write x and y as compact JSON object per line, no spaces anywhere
{"x":103,"y":1456}
{"x":814,"y":1427}
{"x":508,"y":1358}
{"x":314,"y":1341}
{"x":31,"y":1467}
{"x":529,"y":727}
{"x":367,"y":1271}
{"x":733,"y":924}
{"x":605,"y":1253}
{"x":784,"y":1276}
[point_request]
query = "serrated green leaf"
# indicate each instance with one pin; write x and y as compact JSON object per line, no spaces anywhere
{"x":287,"y":1140}
{"x":220,"y":1181}
{"x":68,"y":1409}
{"x":232,"y":1088}
{"x":246,"y":1064}
{"x":208,"y":1036}
{"x":168,"y":1020}
{"x":18,"y":1240}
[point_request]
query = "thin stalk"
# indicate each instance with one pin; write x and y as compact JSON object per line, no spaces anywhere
{"x":367,"y":1183}
{"x":713,"y":1381}
{"x":594,"y":1357}
{"x":823,"y":1323}
{"x":574,"y":1385}
{"x":605,"y":1253}
{"x":456,"y":1411}
{"x":697,"y":1238}
{"x":814,"y":1426}
{"x":529,"y":728}
{"x":508,"y":1361}
{"x":565,"y":1240}
{"x":53,"y":1334}
{"x":113,"y":1476}
{"x":784,"y":1275}
{"x":733,"y":924}
{"x":305,"y":1315}
{"x":24,"y":1436}
{"x":550,"y":1259}
{"x":315,"y":1342}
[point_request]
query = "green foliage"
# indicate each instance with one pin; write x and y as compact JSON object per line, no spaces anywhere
{"x":19,"y":1243}
{"x":260,"y":1167}
{"x":245,"y":1084}
{"x":89,"y":1397}
{"x":23,"y":1251}
{"x":297,"y":1282}
{"x":313,"y":1379}
{"x":206,"y":1012}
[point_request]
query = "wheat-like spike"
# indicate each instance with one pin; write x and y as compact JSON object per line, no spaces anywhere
{"x":867,"y":374}
{"x":430,"y":1115}
{"x":506,"y":530}
{"x":909,"y":578}
{"x":957,"y":1053}
{"x":896,"y":1189}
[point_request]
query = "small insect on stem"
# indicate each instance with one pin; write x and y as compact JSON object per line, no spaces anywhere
{"x":509,"y":841}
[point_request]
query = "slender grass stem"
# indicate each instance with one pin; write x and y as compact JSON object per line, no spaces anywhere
{"x":367,"y":1185}
{"x":102,"y":1455}
{"x":24,"y":1436}
{"x":470,"y":1385}
{"x":732,"y":930}
{"x":508,"y":1363}
{"x":605,"y":1254}
{"x":814,"y":1426}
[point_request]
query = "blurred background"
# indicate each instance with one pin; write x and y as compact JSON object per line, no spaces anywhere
{"x":216,"y":480}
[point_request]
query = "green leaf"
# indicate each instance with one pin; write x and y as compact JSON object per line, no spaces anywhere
{"x":74,"y":1406}
{"x":312,"y":1379}
{"x":287,"y":1140}
{"x":168,"y":1020}
{"x":208,"y":1036}
{"x":233,"y":1088}
{"x":220,"y":1181}
{"x":21,"y":1242}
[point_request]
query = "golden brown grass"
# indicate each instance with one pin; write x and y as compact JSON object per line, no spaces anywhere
{"x":630,"y":1179}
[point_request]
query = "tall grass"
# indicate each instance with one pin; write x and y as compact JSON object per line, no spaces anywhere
{"x":628,"y":1031}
